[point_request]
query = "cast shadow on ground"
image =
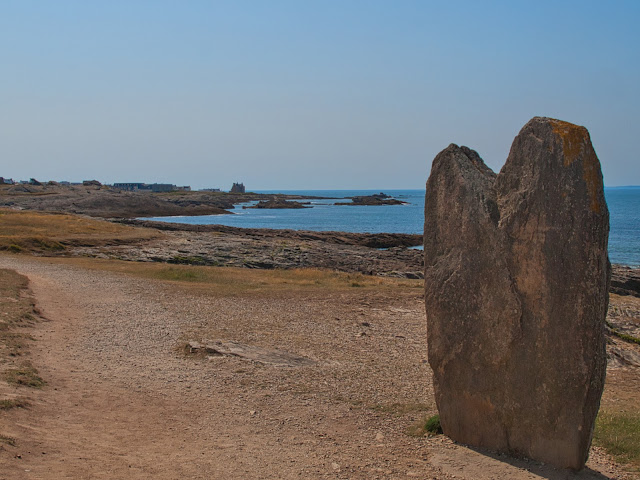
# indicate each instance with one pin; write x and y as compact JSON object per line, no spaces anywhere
{"x":542,"y":470}
{"x":480,"y":464}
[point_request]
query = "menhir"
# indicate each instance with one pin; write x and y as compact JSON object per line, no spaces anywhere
{"x":516,"y":290}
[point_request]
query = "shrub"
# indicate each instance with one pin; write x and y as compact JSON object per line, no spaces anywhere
{"x":428,"y":426}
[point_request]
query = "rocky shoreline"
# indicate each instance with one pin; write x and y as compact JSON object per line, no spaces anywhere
{"x":372,"y":200}
{"x":109,"y":202}
{"x":384,"y":254}
{"x":216,"y":245}
{"x":371,"y":240}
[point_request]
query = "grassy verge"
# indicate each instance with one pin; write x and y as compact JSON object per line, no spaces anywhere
{"x":7,"y":440}
{"x":31,"y":231}
{"x":619,"y":434}
{"x":17,"y":312}
{"x":10,"y":403}
{"x":25,"y":375}
{"x":237,"y":281}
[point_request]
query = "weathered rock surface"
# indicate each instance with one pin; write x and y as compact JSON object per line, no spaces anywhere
{"x":516,"y":290}
{"x":625,"y":280}
{"x":277,"y":203}
{"x":372,"y":200}
{"x":249,"y":352}
{"x":371,"y":240}
{"x":109,"y":202}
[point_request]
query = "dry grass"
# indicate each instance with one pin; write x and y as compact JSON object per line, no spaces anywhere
{"x":619,"y":434}
{"x":8,"y":440}
{"x":16,"y":310}
{"x":31,"y":231}
{"x":232,"y":281}
{"x":10,"y":403}
{"x":26,"y":375}
{"x":402,"y":408}
{"x":427,"y":426}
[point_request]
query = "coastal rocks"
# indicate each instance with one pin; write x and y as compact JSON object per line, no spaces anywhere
{"x":625,"y":280}
{"x":371,"y":240}
{"x":109,"y":202}
{"x":516,"y":293}
{"x":376,"y":199}
{"x":277,"y":203}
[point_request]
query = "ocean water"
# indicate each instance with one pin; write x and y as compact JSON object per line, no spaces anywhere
{"x":624,"y":208}
{"x":624,"y":221}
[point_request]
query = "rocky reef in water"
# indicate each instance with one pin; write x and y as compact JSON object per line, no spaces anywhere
{"x":278,"y":203}
{"x":375,"y":199}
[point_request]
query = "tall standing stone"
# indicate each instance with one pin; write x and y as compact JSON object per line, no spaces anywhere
{"x":516,"y":291}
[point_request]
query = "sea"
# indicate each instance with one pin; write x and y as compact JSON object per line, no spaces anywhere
{"x":623,"y":202}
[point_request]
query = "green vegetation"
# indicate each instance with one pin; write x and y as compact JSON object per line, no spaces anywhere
{"x":15,"y":343}
{"x":26,"y":376}
{"x":619,"y":434}
{"x":428,"y":426}
{"x":232,"y":280}
{"x":189,"y":260}
{"x":9,"y":403}
{"x":180,"y":275}
{"x":622,"y":336}
{"x":8,"y":440}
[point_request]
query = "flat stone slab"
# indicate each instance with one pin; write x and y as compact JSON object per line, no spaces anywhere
{"x":257,"y":354}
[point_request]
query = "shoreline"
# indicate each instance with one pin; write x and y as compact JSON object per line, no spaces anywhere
{"x":371,"y":240}
{"x":378,"y":254}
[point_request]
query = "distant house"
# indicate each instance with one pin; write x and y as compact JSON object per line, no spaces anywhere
{"x":129,"y":186}
{"x":6,"y":181}
{"x":162,"y":187}
{"x":33,"y":181}
{"x":154,"y":187}
{"x":238,"y":188}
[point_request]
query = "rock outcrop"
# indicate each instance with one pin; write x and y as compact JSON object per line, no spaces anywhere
{"x":372,"y":200}
{"x":277,"y":203}
{"x":516,"y":290}
{"x":625,"y":280}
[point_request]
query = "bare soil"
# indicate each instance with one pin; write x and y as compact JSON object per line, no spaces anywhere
{"x":124,"y":400}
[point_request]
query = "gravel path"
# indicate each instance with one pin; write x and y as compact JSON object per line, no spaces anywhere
{"x":123,"y":401}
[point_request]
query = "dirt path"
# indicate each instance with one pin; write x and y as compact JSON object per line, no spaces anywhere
{"x":121,"y":402}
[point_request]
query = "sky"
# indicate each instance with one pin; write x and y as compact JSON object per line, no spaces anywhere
{"x":296,"y":94}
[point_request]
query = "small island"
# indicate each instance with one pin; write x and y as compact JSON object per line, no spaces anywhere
{"x":375,"y":199}
{"x":277,"y":203}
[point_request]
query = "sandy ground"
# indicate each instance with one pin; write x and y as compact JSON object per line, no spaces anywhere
{"x":123,"y":401}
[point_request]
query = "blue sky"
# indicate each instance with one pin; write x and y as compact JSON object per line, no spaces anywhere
{"x":299,"y":95}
